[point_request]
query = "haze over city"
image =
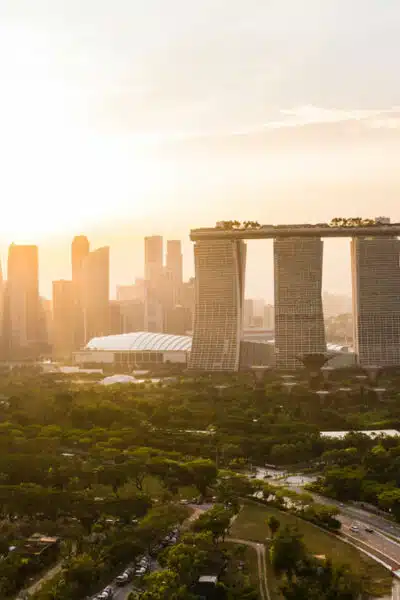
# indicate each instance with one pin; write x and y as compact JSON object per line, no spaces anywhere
{"x":129,"y":119}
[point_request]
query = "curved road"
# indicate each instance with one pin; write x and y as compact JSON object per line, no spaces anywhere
{"x":261,"y":563}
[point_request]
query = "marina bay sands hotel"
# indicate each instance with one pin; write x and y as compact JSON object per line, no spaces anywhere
{"x":220,"y":263}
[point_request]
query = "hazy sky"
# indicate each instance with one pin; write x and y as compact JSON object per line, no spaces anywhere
{"x":121,"y":118}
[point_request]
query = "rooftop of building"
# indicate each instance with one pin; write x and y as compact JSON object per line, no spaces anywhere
{"x":368,"y":228}
{"x":141,"y":341}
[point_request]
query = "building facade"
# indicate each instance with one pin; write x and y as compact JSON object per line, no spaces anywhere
{"x":63,"y":335}
{"x":175,"y":264}
{"x":79,"y":251}
{"x":22,"y":301}
{"x":96,"y":293}
{"x":153,"y":258}
{"x":299,"y":320}
{"x":220,"y":272}
{"x":376,"y":300}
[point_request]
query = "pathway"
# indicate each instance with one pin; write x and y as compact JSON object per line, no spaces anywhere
{"x":261,"y":563}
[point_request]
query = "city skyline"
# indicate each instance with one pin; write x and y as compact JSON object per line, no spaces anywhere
{"x":55,"y":261}
{"x":121,"y":122}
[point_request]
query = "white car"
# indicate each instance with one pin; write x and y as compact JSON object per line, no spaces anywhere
{"x":106,"y":594}
{"x":122,"y":579}
{"x":354,"y":528}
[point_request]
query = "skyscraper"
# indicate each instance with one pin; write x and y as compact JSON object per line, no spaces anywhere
{"x":248,"y":312}
{"x":22,"y":299}
{"x":153,"y":259}
{"x":220,"y":270}
{"x":376,"y":300}
{"x":79,"y":252}
{"x":299,"y":321}
{"x":96,"y":293}
{"x":175,"y":266}
{"x":63,"y":334}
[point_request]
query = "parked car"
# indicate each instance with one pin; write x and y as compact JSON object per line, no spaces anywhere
{"x":140,"y":571}
{"x":369,"y":529}
{"x":125,"y":577}
{"x":106,"y":594}
{"x":354,"y":528}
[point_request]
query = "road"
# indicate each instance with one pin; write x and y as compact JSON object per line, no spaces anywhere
{"x":261,"y":564}
{"x":122,"y":593}
{"x":350,"y":511}
{"x":376,"y":543}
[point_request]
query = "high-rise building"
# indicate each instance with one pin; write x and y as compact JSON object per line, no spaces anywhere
{"x":96,"y":293}
{"x":269,"y":316}
{"x":132,"y":316}
{"x":220,"y":271}
{"x":63,"y":333}
{"x":299,"y":320}
{"x":175,"y":266}
{"x":136,"y":291}
{"x":115,"y":318}
{"x":248,"y":312}
{"x":376,"y":300}
{"x":79,"y":252}
{"x":22,"y":299}
{"x":45,"y":325}
{"x":153,"y":259}
{"x":153,"y":311}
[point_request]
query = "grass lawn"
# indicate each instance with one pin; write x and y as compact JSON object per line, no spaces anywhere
{"x":251,"y":525}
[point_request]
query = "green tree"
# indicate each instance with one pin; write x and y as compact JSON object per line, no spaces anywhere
{"x":204,"y":473}
{"x":165,"y":585}
{"x":273,"y":525}
{"x":216,"y":520}
{"x":287,"y":551}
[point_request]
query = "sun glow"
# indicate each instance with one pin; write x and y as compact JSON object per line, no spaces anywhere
{"x":58,"y":174}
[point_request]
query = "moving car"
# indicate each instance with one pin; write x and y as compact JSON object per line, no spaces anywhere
{"x":354,"y":528}
{"x":369,"y":529}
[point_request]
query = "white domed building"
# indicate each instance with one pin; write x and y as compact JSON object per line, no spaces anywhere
{"x":133,"y":350}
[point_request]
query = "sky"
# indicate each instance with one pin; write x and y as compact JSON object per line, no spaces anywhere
{"x":124,"y":118}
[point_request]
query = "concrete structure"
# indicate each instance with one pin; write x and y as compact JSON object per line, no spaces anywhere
{"x":299,"y":320}
{"x":175,"y":265}
{"x":153,"y":258}
{"x":220,"y":272}
{"x":96,"y":293}
{"x":299,"y":325}
{"x":136,"y":291}
{"x":63,"y":333}
{"x":248,"y":312}
{"x":376,"y":300}
{"x":21,"y":300}
{"x":269,"y":316}
{"x":79,"y":252}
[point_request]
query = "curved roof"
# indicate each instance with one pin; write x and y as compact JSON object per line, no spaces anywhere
{"x":141,"y":341}
{"x":118,"y":379}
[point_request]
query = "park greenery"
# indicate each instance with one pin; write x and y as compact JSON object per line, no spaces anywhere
{"x":104,"y":468}
{"x":308,"y":577}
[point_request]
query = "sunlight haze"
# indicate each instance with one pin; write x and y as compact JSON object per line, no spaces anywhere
{"x":124,"y":119}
